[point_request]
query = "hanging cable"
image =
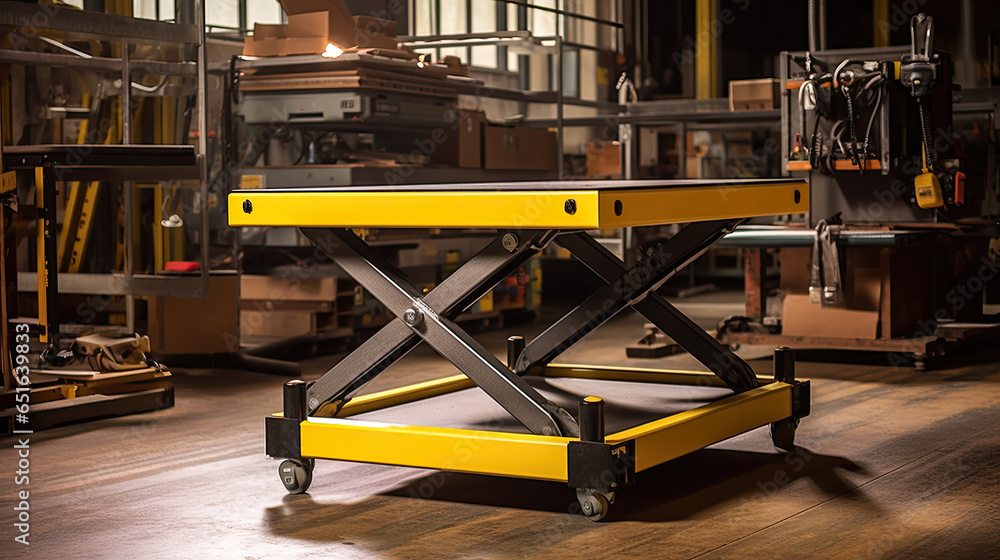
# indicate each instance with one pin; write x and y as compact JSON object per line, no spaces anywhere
{"x":868,"y":131}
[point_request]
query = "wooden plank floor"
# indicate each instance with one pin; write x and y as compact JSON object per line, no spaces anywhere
{"x":892,"y":464}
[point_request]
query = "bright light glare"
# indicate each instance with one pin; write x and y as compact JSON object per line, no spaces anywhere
{"x":332,"y":51}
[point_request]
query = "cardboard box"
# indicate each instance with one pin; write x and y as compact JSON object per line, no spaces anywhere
{"x":178,"y":325}
{"x":796,"y":264}
{"x":339,"y":21}
{"x":464,"y":147}
{"x":284,"y":46}
{"x":299,"y":25}
{"x":458,"y":144}
{"x":604,"y":159}
{"x":799,"y":317}
{"x":519,"y":148}
{"x":755,"y":95}
{"x":289,"y":287}
{"x":857,"y":314}
{"x":877,"y":288}
{"x":312,"y":22}
{"x":304,"y":34}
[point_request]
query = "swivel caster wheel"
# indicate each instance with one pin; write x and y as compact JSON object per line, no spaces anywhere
{"x":295,"y":475}
{"x":594,"y":504}
{"x":783,"y":434}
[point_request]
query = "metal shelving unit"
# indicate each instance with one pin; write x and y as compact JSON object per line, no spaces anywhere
{"x":128,"y":31}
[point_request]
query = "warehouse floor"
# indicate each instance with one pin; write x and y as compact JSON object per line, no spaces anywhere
{"x":892,"y":463}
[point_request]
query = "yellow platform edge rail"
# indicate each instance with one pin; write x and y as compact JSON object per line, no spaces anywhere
{"x":555,"y":209}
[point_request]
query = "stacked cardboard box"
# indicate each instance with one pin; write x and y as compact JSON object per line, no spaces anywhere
{"x":473,"y":142}
{"x":879,"y":298}
{"x":516,"y":147}
{"x":755,"y":95}
{"x":182,"y":325}
{"x":604,"y":159}
{"x":289,"y":305}
{"x":314,"y":23}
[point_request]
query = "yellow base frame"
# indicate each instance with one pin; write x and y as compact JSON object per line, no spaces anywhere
{"x":535,"y":456}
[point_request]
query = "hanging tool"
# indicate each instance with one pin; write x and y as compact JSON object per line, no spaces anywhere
{"x":926,"y":185}
{"x":824,"y":277}
{"x":919,"y":73}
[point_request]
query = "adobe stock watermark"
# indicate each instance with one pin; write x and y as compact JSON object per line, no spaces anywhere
{"x":22,"y":433}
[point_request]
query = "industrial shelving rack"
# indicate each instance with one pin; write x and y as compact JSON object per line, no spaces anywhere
{"x":127,"y":31}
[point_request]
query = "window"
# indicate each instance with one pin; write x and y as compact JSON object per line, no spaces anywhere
{"x":450,"y":17}
{"x":219,"y":14}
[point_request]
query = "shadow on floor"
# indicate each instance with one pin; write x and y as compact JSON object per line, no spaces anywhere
{"x":978,"y":356}
{"x":676,"y":490}
{"x":685,"y":488}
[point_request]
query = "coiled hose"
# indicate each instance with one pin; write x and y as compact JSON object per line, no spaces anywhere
{"x":817,"y":25}
{"x":925,"y":128}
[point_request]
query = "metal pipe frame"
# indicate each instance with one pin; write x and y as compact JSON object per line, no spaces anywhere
{"x":97,"y":25}
{"x":48,"y":278}
{"x":127,"y":194}
{"x":96,"y":63}
{"x":127,"y":30}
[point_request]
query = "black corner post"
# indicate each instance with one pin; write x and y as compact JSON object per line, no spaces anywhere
{"x":784,"y":365}
{"x":283,"y":439}
{"x":593,"y":464}
{"x":515,"y":345}
{"x":592,"y":419}
{"x":294,"y":401}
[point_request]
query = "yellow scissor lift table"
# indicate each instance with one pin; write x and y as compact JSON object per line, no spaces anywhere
{"x":316,"y":421}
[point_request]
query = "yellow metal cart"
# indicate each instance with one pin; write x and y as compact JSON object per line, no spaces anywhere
{"x":316,"y":423}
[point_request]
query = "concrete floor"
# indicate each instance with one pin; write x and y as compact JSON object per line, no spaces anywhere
{"x":892,"y":464}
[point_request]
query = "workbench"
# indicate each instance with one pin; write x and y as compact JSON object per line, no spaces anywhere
{"x":558,"y":446}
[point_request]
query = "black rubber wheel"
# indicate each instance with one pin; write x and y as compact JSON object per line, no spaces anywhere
{"x":594,"y":504}
{"x":783,"y":434}
{"x":296,"y":476}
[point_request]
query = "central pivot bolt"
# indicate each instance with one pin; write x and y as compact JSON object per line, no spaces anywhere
{"x":413,"y":317}
{"x":509,"y":242}
{"x":570,"y":206}
{"x":247,"y":206}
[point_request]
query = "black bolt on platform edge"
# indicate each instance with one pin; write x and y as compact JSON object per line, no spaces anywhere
{"x":592,"y":419}
{"x":294,"y":399}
